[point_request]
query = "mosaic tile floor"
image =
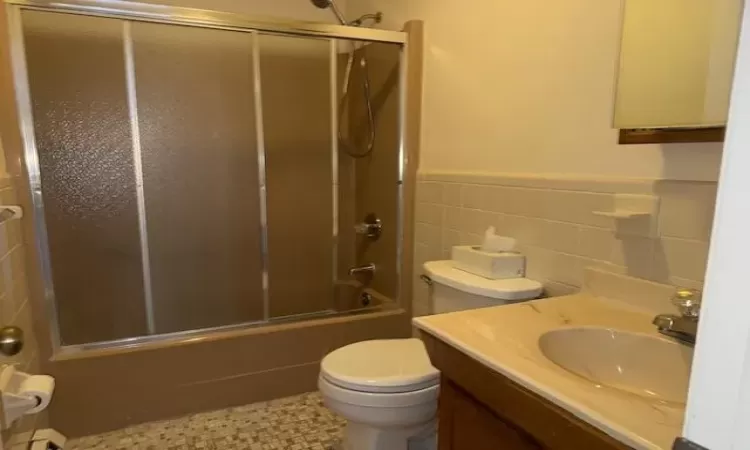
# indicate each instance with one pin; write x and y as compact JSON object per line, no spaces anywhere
{"x":293,"y":423}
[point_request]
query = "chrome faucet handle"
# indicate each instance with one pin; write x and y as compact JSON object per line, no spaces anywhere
{"x":688,"y":301}
{"x":367,"y":268}
{"x":372,"y":227}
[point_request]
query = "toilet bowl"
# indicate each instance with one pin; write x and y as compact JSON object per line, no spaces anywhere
{"x":386,"y":389}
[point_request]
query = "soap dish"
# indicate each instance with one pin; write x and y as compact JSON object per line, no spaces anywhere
{"x":622,"y":214}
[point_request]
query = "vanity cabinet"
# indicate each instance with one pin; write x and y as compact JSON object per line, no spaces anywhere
{"x":480,"y":409}
{"x":675,"y":69}
{"x":466,"y":424}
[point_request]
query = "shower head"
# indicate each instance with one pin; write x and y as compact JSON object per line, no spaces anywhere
{"x":323,"y":4}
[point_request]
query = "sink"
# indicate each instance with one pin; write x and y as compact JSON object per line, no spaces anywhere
{"x":648,"y":366}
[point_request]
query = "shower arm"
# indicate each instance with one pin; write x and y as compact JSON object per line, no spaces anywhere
{"x":334,"y":7}
{"x":377,"y":18}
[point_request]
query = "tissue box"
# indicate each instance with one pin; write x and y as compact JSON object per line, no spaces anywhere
{"x":492,"y":265}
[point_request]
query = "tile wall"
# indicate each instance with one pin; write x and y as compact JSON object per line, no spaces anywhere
{"x":15,"y":309}
{"x":553,"y":222}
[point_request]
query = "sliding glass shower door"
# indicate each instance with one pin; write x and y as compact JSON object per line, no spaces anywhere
{"x":199,"y":151}
{"x":148,"y":155}
{"x":76,"y":73}
{"x":189,"y":178}
{"x":296,"y":80}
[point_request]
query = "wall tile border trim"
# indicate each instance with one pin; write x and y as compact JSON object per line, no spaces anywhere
{"x":555,"y":182}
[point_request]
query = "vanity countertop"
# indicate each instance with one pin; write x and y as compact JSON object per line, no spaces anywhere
{"x":504,"y":338}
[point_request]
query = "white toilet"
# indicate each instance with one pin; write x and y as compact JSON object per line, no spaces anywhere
{"x":387,"y":389}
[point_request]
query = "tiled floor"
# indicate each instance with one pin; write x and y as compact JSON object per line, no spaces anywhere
{"x":293,"y":423}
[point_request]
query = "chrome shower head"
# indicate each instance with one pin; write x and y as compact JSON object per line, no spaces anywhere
{"x":323,"y":4}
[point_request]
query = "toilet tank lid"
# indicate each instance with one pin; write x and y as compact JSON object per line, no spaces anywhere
{"x":444,"y":273}
{"x":382,"y":365}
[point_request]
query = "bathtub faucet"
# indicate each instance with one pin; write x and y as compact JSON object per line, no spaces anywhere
{"x":366,"y":269}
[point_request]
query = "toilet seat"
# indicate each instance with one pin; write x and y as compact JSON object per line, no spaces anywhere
{"x":378,"y":399}
{"x":384,"y":366}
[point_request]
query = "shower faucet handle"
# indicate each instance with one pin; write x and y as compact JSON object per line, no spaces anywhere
{"x":371,"y":227}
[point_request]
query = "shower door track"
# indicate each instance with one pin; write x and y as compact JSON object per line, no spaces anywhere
{"x":117,"y":345}
{"x":174,"y":15}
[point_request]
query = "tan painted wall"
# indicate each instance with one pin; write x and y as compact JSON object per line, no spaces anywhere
{"x":527,"y":88}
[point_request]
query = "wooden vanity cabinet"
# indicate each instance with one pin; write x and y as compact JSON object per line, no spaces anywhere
{"x":466,"y":424}
{"x":480,"y":409}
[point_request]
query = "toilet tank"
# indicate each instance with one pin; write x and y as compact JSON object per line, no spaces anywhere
{"x":453,"y":289}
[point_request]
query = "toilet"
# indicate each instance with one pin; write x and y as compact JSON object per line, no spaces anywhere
{"x":386,"y":389}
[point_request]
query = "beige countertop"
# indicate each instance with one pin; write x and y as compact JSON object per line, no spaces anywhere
{"x":504,"y":338}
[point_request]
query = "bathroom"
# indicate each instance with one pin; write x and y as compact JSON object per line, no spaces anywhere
{"x":334,"y":163}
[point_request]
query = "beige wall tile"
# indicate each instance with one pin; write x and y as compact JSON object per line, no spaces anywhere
{"x":427,"y":234}
{"x":421,"y":254}
{"x":15,"y":309}
{"x":556,"y":229}
{"x":605,"y":265}
{"x":687,"y":210}
{"x":420,"y":304}
{"x":13,"y":283}
{"x":526,"y":230}
{"x":430,"y":192}
{"x":596,"y":243}
{"x":452,"y":218}
{"x":429,"y":213}
{"x":537,"y":260}
{"x":475,"y":221}
{"x":555,"y":289}
{"x":578,"y":207}
{"x":471,"y":239}
{"x":560,"y":236}
{"x":566,"y":269}
{"x":520,"y":201}
{"x":680,"y":258}
{"x":424,"y":253}
{"x":452,"y":194}
{"x":451,"y":238}
{"x":685,"y":283}
{"x":476,"y":197}
{"x":636,"y":254}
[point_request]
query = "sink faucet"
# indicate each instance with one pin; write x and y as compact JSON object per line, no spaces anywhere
{"x":685,"y":326}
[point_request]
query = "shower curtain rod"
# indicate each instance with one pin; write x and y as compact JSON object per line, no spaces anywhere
{"x":209,"y":19}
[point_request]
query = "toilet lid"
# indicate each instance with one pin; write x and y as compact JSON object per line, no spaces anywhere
{"x":444,"y":273}
{"x":384,"y":365}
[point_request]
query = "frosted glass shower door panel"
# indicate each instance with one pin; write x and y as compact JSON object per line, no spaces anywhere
{"x":79,"y":100}
{"x":377,"y":176}
{"x":296,"y":78}
{"x":200,"y":165}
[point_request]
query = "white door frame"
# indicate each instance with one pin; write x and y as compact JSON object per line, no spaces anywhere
{"x":718,"y":408}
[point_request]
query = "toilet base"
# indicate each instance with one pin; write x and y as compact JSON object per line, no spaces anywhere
{"x":359,"y":436}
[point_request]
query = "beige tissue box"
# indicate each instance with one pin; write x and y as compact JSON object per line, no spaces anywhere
{"x":492,"y":265}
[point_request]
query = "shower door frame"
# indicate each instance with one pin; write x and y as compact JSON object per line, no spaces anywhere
{"x":169,"y":15}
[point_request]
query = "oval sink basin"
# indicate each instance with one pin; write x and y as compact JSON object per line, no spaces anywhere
{"x":644,"y":365}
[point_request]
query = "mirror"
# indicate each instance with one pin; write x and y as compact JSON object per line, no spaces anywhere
{"x":676,"y":63}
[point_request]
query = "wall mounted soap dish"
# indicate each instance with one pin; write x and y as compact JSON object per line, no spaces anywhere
{"x":634,"y":214}
{"x":622,"y":214}
{"x":9,"y":212}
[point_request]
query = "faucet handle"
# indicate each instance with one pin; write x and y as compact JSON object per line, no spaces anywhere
{"x":688,"y":301}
